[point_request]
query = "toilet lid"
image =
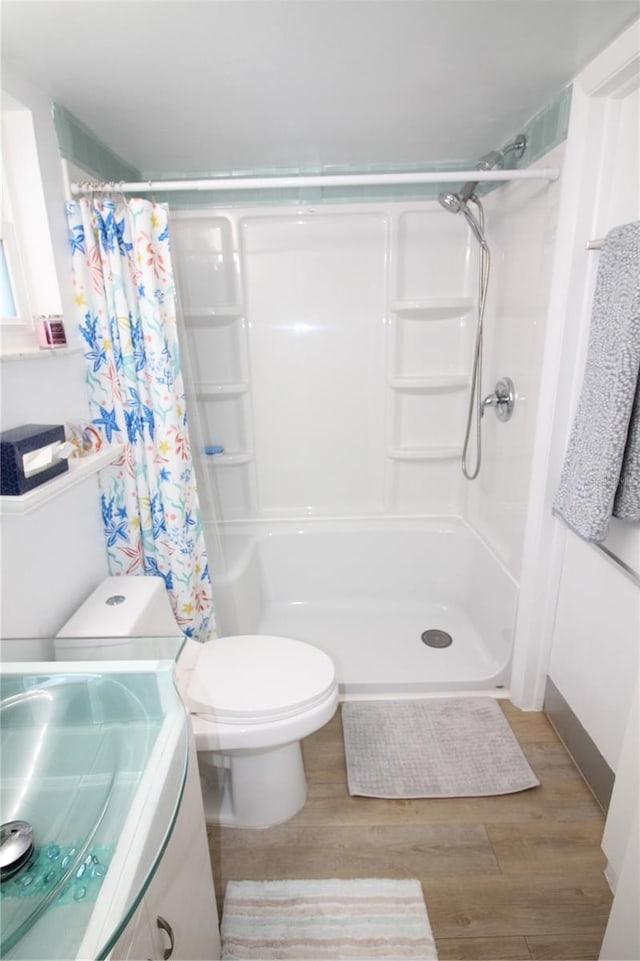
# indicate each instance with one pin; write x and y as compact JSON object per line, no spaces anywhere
{"x":253,"y":678}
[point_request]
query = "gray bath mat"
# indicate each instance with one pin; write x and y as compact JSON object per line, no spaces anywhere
{"x":436,"y":747}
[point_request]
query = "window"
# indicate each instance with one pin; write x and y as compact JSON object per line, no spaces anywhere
{"x":27,"y":267}
{"x":15,"y":303}
{"x":8,"y":301}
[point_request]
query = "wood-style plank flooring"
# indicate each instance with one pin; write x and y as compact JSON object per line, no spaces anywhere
{"x":512,"y":877}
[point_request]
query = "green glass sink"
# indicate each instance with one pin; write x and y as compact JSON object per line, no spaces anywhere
{"x":75,"y":748}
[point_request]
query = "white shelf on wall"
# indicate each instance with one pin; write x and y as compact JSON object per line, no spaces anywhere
{"x":213,"y":390}
{"x":79,"y":469}
{"x":433,"y":308}
{"x":436,"y":452}
{"x":432,"y":383}
{"x":214,"y":315}
{"x":228,"y":459}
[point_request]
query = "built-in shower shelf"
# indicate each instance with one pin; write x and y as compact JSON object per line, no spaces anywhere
{"x":227,"y":459}
{"x":79,"y":469}
{"x":433,"y":308}
{"x":210,"y":390}
{"x":213,"y":316}
{"x":436,"y":452}
{"x":430,"y":384}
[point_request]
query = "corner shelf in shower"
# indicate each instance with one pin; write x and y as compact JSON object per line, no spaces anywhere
{"x":433,"y":308}
{"x":228,"y":459}
{"x":436,"y":452}
{"x":434,"y":383}
{"x":221,"y":390}
{"x":79,"y":469}
{"x":213,"y":316}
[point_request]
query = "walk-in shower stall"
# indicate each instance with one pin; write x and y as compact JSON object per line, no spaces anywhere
{"x":329,"y":354}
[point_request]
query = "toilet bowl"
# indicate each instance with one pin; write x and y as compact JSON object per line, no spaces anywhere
{"x":251,"y":698}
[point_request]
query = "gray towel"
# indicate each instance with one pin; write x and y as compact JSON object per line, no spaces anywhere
{"x":627,"y":503}
{"x":601,"y":471}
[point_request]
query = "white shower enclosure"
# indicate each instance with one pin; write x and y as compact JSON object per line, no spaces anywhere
{"x":328,"y":354}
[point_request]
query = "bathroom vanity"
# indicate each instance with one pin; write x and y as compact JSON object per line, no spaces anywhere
{"x":98,"y":761}
{"x":177,"y":917}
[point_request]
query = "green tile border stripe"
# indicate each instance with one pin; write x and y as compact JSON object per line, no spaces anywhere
{"x":188,"y":199}
{"x":549,"y":127}
{"x":80,"y":145}
{"x":545,"y":130}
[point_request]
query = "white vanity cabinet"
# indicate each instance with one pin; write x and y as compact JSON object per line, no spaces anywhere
{"x":178,"y":918}
{"x":137,"y":941}
{"x":103,"y":762}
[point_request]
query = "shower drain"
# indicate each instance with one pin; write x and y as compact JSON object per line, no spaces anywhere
{"x":436,"y":638}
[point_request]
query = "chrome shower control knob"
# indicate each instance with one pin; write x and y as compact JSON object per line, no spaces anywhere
{"x":503,"y":399}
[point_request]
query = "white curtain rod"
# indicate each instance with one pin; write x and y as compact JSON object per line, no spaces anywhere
{"x":318,"y":180}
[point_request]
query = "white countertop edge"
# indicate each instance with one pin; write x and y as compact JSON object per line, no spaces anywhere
{"x":123,"y":877}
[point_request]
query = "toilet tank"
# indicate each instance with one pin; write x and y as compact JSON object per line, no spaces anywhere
{"x":119,"y":608}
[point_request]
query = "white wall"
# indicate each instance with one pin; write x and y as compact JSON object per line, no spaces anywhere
{"x":315,"y":292}
{"x":53,"y":557}
{"x":595,"y":651}
{"x":594,"y":658}
{"x":620,"y":843}
{"x":578,"y":618}
{"x":520,"y":227}
{"x":322,"y":381}
{"x":330,"y":355}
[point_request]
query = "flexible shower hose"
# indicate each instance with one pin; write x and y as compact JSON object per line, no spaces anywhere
{"x":475,"y":395}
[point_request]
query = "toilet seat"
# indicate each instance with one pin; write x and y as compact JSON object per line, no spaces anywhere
{"x":259,"y":679}
{"x":252,"y":699}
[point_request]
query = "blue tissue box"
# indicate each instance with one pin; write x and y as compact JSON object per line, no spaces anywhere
{"x":30,"y":456}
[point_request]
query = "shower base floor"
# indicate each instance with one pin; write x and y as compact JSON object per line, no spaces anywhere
{"x":377,"y":647}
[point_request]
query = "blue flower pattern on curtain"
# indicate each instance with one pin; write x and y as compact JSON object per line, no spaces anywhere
{"x":124,"y":289}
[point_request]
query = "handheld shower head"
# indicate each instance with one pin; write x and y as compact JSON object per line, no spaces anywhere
{"x":450,"y":201}
{"x":457,"y":204}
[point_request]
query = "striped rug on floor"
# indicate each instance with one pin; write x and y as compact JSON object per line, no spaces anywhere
{"x":361,"y":918}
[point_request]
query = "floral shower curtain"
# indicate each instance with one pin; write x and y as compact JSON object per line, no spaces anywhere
{"x":124,"y":288}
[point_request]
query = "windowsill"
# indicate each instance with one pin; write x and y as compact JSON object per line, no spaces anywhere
{"x":29,"y":353}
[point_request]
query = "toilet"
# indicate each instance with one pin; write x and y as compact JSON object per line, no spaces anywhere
{"x":251,"y":698}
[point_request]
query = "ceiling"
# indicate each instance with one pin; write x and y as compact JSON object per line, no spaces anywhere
{"x":181,"y":87}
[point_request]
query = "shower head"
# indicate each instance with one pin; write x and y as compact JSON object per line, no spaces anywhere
{"x":450,"y":201}
{"x":457,"y":204}
{"x":494,"y":160}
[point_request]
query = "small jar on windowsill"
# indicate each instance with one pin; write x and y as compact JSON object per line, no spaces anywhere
{"x":50,"y":332}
